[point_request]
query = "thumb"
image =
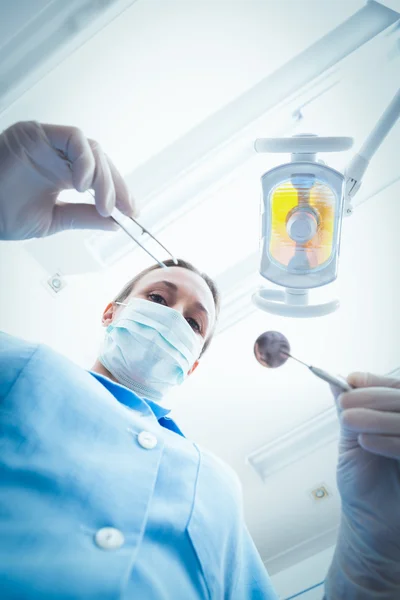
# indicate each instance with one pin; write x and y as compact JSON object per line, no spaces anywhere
{"x":363,"y":380}
{"x":79,"y":216}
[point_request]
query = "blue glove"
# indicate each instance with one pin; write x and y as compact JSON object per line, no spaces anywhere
{"x":367,"y":558}
{"x":37,"y":162}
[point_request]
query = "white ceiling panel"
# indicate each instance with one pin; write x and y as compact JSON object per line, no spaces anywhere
{"x":36,"y":36}
{"x":165,"y":65}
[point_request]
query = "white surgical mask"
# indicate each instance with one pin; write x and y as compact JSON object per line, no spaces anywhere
{"x":150,"y":348}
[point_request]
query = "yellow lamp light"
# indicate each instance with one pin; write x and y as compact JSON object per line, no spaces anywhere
{"x":301,"y":220}
{"x":302,"y":216}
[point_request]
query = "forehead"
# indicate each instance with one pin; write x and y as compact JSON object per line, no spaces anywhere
{"x":190,"y":285}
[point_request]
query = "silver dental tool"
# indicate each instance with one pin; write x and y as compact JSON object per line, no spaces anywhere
{"x":144,"y":230}
{"x":272,"y":349}
{"x":334,"y":380}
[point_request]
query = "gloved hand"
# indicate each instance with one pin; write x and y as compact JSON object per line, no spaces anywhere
{"x":366,"y":564}
{"x":369,"y":452}
{"x":37,"y":162}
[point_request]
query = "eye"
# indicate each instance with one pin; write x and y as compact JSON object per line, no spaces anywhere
{"x":157,"y":299}
{"x":194,"y":325}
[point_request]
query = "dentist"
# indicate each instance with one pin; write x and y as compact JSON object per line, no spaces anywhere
{"x":101,"y":495}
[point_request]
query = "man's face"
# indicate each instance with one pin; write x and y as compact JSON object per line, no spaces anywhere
{"x":180,"y":289}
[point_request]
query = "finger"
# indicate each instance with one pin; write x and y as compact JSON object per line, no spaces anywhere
{"x":336,"y":391}
{"x":382,"y":398}
{"x":79,"y":216}
{"x":365,"y":420}
{"x":74,"y":145}
{"x":337,"y":394}
{"x":388,"y":446}
{"x":123,"y":198}
{"x":358,"y":380}
{"x":102,"y":184}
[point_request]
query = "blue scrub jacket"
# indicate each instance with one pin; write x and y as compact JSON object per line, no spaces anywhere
{"x":102,"y":497}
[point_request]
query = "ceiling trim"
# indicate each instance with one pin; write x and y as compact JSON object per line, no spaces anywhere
{"x":296,"y":444}
{"x":392,"y":4}
{"x":302,"y":551}
{"x":45,"y":40}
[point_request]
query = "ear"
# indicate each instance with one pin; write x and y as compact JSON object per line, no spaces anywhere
{"x":196,"y":364}
{"x":108,"y":314}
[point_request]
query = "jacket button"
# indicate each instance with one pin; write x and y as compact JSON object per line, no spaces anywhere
{"x":147,"y":440}
{"x":109,"y":538}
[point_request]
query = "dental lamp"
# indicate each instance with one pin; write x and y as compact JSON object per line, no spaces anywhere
{"x":303,"y":203}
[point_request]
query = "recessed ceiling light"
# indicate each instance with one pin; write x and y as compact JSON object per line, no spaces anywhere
{"x":320,"y":493}
{"x":55,"y":283}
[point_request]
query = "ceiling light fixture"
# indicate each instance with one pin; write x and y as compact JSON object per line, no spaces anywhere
{"x":303,"y":205}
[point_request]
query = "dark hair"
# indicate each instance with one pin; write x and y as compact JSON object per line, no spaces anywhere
{"x":127,"y":289}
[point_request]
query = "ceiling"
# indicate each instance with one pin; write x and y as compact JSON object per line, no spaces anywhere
{"x":140,"y":77}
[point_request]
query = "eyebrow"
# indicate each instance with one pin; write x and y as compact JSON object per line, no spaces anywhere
{"x":175,"y":288}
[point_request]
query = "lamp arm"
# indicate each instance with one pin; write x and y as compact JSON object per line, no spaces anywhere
{"x":359,"y":164}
